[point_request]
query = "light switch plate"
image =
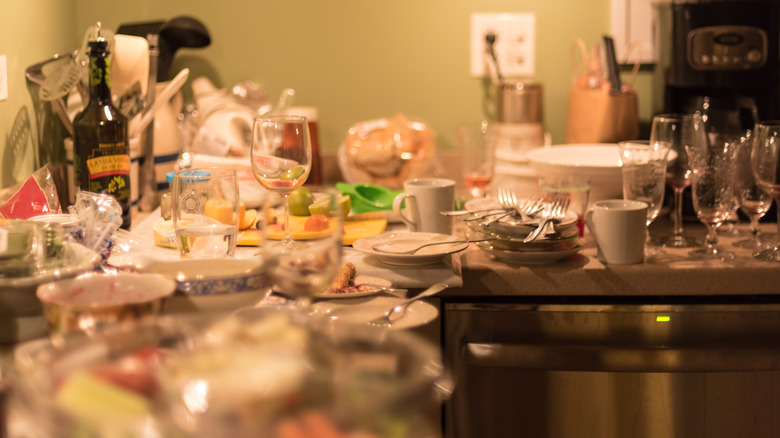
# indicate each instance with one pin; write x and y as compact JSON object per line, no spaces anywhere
{"x":514,"y":46}
{"x":3,"y":78}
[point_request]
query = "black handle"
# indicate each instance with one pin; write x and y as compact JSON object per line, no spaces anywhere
{"x":615,"y":86}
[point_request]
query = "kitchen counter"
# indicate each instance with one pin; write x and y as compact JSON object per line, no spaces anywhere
{"x":583,"y":275}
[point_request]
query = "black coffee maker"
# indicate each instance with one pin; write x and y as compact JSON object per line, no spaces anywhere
{"x":720,"y":58}
{"x":724,"y":61}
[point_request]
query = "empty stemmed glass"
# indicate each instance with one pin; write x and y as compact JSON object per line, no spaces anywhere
{"x":674,"y":129}
{"x":712,"y":187}
{"x":280,"y":154}
{"x":477,"y":143}
{"x":765,"y":158}
{"x":753,"y":201}
{"x":643,"y":165}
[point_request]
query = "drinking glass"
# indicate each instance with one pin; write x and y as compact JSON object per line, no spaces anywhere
{"x":643,"y":165}
{"x":753,"y":201}
{"x":764,"y":157}
{"x":670,"y":129}
{"x":477,"y":146}
{"x":281,"y":157}
{"x":712,"y":186}
{"x":205,"y":210}
{"x":309,"y":264}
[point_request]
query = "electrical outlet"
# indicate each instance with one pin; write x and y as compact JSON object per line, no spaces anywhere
{"x":514,"y":45}
{"x":3,"y":78}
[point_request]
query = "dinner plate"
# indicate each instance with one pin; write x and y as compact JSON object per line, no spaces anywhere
{"x":528,"y":257}
{"x":401,"y":241}
{"x":366,"y":286}
{"x":363,"y":310}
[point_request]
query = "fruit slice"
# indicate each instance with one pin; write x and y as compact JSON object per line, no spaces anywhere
{"x":300,"y":199}
{"x":248,"y":219}
{"x":320,"y":207}
{"x":316,"y":222}
{"x":344,"y":206}
{"x":221,"y":210}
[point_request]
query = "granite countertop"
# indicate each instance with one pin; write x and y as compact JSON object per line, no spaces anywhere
{"x":583,"y":275}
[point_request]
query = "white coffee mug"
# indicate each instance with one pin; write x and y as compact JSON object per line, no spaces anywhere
{"x":619,"y":228}
{"x":425,"y":199}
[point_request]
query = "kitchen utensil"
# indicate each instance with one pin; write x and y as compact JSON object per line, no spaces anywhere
{"x":167,"y":93}
{"x":397,"y":312}
{"x":129,"y":64}
{"x":59,"y":82}
{"x":403,"y":241}
{"x":378,"y":247}
{"x":471,"y":212}
{"x":556,"y":212}
{"x":178,"y":32}
{"x":526,"y":209}
{"x":615,"y":87}
{"x":131,"y":103}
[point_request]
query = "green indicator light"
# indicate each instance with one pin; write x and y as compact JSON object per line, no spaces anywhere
{"x":663,"y":318}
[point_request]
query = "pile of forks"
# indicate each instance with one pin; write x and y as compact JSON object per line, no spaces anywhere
{"x":514,"y":218}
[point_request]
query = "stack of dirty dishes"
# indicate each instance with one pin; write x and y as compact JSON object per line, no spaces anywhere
{"x":559,"y":240}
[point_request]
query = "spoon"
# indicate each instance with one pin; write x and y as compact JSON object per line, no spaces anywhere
{"x":379,"y":249}
{"x":399,"y":310}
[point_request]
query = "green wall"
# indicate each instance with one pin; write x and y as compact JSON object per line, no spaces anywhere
{"x":354,"y":59}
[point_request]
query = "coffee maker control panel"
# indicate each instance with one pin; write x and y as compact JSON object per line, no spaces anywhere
{"x":727,"y":48}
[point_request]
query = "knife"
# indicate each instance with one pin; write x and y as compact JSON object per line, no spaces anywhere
{"x":615,"y":87}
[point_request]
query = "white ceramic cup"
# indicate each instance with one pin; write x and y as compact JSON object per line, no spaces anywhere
{"x":619,"y":228}
{"x":425,"y":199}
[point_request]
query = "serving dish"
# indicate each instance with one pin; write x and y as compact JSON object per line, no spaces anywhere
{"x":597,"y":163}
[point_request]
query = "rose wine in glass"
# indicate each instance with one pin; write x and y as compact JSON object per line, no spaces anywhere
{"x":281,"y":157}
{"x":476,"y":144}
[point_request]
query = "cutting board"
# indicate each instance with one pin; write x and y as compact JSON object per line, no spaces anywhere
{"x":353,"y":230}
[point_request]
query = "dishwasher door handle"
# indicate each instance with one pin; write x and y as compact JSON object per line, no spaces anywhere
{"x":608,"y":358}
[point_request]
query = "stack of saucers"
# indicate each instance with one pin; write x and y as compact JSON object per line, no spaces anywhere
{"x":512,"y":230}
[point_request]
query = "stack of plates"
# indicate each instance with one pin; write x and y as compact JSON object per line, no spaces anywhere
{"x":512,"y":230}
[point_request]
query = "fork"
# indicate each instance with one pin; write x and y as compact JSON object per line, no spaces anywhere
{"x":399,"y":310}
{"x":556,"y":213}
{"x":507,"y":200}
{"x":526,"y":209}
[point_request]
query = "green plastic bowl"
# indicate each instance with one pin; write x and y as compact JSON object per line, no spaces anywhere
{"x":368,"y":197}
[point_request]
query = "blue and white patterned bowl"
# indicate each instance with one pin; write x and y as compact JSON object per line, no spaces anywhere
{"x":223,"y":285}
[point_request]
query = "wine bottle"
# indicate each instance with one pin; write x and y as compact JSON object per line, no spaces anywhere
{"x":101,"y":150}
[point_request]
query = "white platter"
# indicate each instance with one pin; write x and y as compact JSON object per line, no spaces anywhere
{"x":363,"y":310}
{"x":528,"y":258}
{"x":400,"y":241}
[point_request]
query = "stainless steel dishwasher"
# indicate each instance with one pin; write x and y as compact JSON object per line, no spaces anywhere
{"x":613,"y":370}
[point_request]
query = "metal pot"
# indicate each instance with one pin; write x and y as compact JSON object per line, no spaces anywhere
{"x":519,"y":101}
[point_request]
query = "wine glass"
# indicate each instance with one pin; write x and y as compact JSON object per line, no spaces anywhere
{"x":753,"y":201}
{"x":643,"y":165}
{"x":764,"y":157}
{"x":309,"y":264}
{"x":476,"y":143}
{"x":712,"y":162}
{"x":674,"y":129}
{"x":281,"y":157}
